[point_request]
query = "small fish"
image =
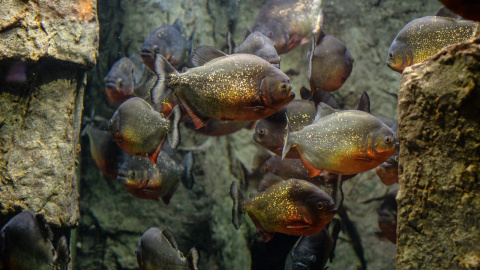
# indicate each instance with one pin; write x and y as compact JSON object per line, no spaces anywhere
{"x":105,"y":152}
{"x":423,"y":37}
{"x":237,"y":87}
{"x":270,"y":132}
{"x":215,"y":127}
{"x":158,"y":250}
{"x":468,"y":9}
{"x":388,"y":171}
{"x":342,"y":142}
{"x":295,"y":207}
{"x":139,"y":130}
{"x":293,"y":168}
{"x":119,"y":82}
{"x":147,"y":180}
{"x":168,"y":41}
{"x":313,"y":252}
{"x":289,"y":23}
{"x":255,"y":43}
{"x":26,"y":243}
{"x":387,"y":217}
{"x":330,"y":63}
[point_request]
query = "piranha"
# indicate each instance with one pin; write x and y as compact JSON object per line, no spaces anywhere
{"x":168,"y":41}
{"x":293,"y":168}
{"x":313,"y":252}
{"x":139,"y":130}
{"x":146,"y":180}
{"x":158,"y":250}
{"x":388,"y":171}
{"x":26,"y":243}
{"x":289,"y":23}
{"x":270,"y":132}
{"x":119,"y":82}
{"x":237,"y":87}
{"x":255,"y":43}
{"x":215,"y":127}
{"x":468,"y":9}
{"x":387,"y":217}
{"x":105,"y":152}
{"x":293,"y":206}
{"x":342,"y":142}
{"x":423,"y":37}
{"x":330,"y":63}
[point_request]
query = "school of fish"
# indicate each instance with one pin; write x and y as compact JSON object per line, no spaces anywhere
{"x":315,"y":145}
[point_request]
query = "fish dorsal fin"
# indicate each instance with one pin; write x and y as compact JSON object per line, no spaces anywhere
{"x":364,"y":103}
{"x":305,"y":93}
{"x":204,"y":54}
{"x":269,"y":180}
{"x":323,"y":110}
{"x":192,"y":259}
{"x":246,"y":32}
{"x":178,"y":25}
{"x":170,"y":238}
{"x":446,"y":13}
{"x":310,"y":57}
{"x":230,"y":43}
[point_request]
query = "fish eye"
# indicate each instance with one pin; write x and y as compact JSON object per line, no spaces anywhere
{"x":269,"y":33}
{"x":390,"y":55}
{"x":131,"y":174}
{"x":261,"y":131}
{"x":320,"y":205}
{"x":388,"y":139}
{"x":284,"y":86}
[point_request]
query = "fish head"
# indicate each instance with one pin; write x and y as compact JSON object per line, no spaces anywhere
{"x":399,"y":56}
{"x":318,"y":207}
{"x":278,"y":33}
{"x":269,"y":133}
{"x":382,"y":143}
{"x":120,"y":82}
{"x":168,"y":42}
{"x":136,"y":172}
{"x":276,"y":89}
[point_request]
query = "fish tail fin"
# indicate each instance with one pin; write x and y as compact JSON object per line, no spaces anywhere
{"x":238,"y":200}
{"x":188,"y":178}
{"x":173,"y":135}
{"x":286,"y":139}
{"x":163,"y":69}
{"x":192,"y":259}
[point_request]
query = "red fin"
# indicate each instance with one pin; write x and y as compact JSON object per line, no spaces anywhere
{"x":267,"y":236}
{"x":153,"y":157}
{"x":197,"y":121}
{"x":312,"y":171}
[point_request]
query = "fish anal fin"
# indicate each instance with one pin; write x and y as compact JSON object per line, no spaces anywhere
{"x":198,"y":122}
{"x":267,"y":236}
{"x":312,"y":171}
{"x":153,"y":157}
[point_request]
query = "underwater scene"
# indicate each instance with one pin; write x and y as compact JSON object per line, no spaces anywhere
{"x":239,"y":134}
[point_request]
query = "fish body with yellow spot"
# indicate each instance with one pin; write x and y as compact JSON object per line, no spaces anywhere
{"x":423,"y":37}
{"x":238,"y":87}
{"x":140,"y":130}
{"x":293,"y":206}
{"x":289,"y":23}
{"x":342,"y":142}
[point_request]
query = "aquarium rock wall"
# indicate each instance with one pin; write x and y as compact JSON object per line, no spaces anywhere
{"x":440,"y":161}
{"x":45,"y":49}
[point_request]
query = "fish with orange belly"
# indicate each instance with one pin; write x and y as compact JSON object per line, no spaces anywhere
{"x":293,"y":206}
{"x":342,"y":142}
{"x":141,"y":131}
{"x":238,"y":87}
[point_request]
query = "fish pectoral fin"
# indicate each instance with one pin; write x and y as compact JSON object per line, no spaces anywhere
{"x":255,"y":108}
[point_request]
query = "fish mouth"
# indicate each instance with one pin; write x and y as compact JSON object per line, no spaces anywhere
{"x":121,"y":178}
{"x":111,"y":85}
{"x":146,"y":53}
